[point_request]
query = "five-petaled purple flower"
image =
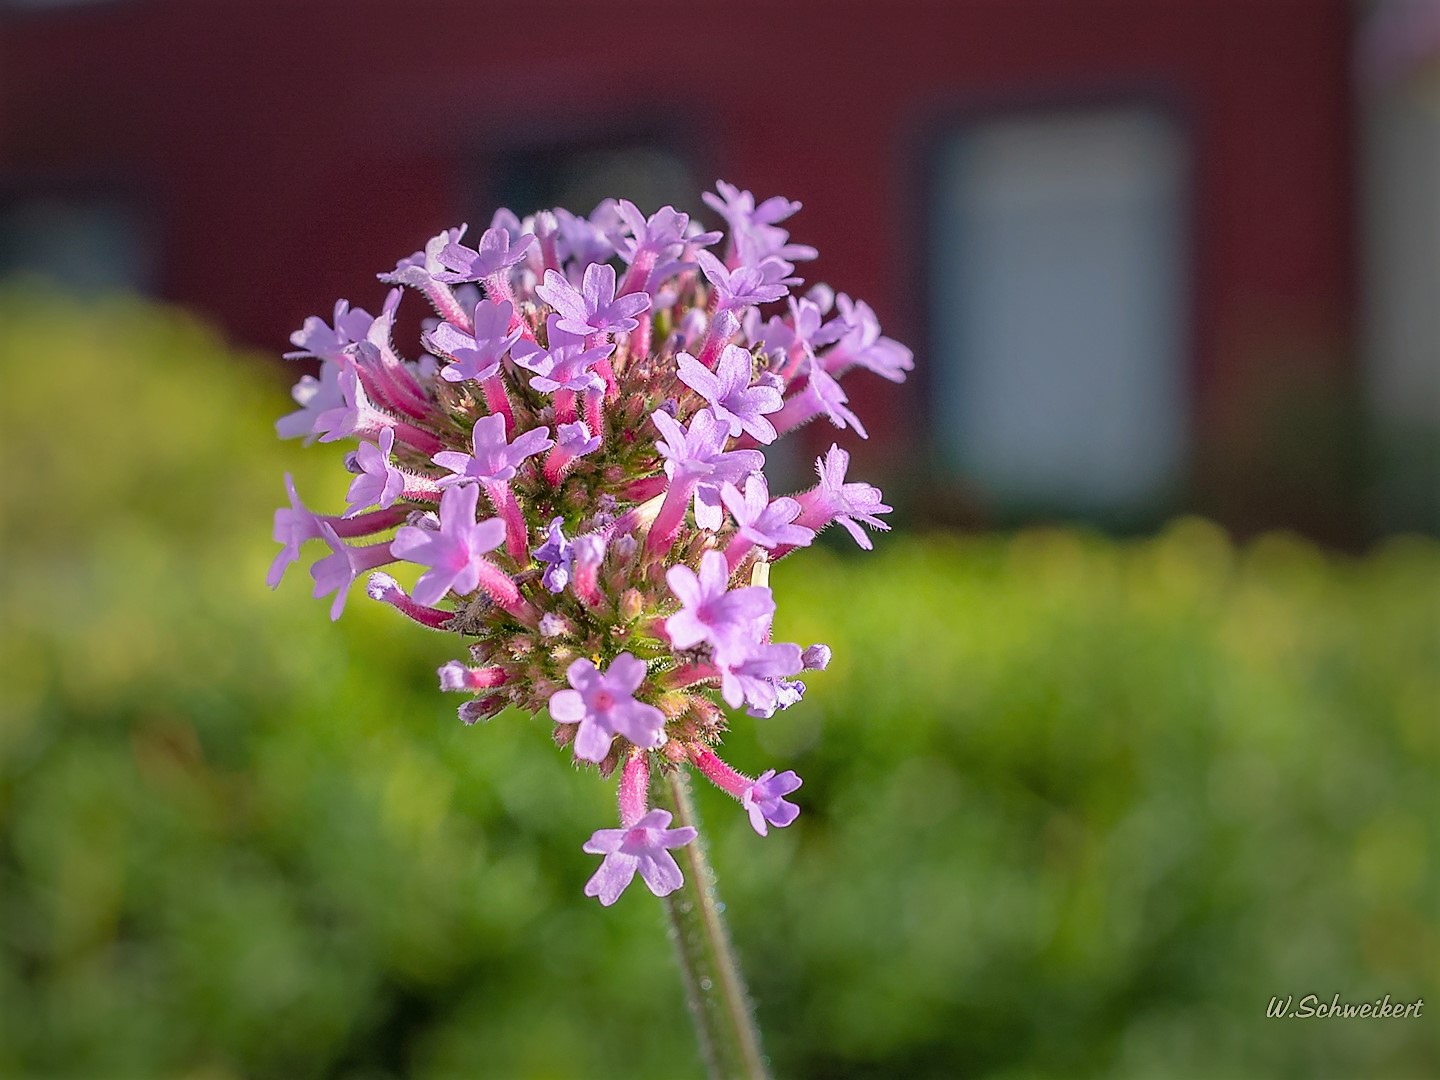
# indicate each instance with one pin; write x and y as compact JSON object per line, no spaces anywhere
{"x":316,"y":396}
{"x":477,"y":354}
{"x":594,"y":308}
{"x":321,"y":340}
{"x":754,"y":231}
{"x":641,"y":847}
{"x":455,"y":553}
{"x":650,"y":237}
{"x":760,"y":521}
{"x":294,"y":524}
{"x":354,"y":415}
{"x":822,"y":396}
{"x":713,"y":613}
{"x":696,"y":461}
{"x":757,"y":675}
{"x":379,"y":483}
{"x":555,"y":553}
{"x":732,"y":398}
{"x":565,"y":364}
{"x":575,"y":439}
{"x":496,"y":252}
{"x":493,"y":458}
{"x":338,"y":570}
{"x":836,"y":500}
{"x":745,"y":285}
{"x":862,"y":345}
{"x":604,"y":705}
{"x":586,"y":240}
{"x":764,"y":799}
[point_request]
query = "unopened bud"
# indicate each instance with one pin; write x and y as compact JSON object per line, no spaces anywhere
{"x":631,"y":604}
{"x":816,"y":658}
{"x":481,"y":709}
{"x":553,"y":625}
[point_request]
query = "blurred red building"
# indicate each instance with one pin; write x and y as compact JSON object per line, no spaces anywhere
{"x":1119,"y":235}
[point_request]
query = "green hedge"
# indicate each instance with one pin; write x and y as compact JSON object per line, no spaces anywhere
{"x":1072,"y":807}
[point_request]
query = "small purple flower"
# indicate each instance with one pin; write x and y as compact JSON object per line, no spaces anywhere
{"x":732,"y":398}
{"x":835,"y":500}
{"x":713,"y":613}
{"x":757,"y":676}
{"x":316,"y":397}
{"x":316,"y":338}
{"x":753,"y":229}
{"x":355,"y":415}
{"x":649,"y":238}
{"x":762,"y":522}
{"x":338,"y":570}
{"x":640,"y":847}
{"x":454,"y":554}
{"x":862,"y":345}
{"x":699,"y":449}
{"x":496,"y":252}
{"x":379,"y":483}
{"x":787,"y":692}
{"x":832,"y":400}
{"x":821,"y":396}
{"x":294,"y":524}
{"x":565,"y":364}
{"x":745,"y":285}
{"x":594,"y":308}
{"x":557,"y":556}
{"x":586,"y":240}
{"x":494,"y":459}
{"x":604,"y":705}
{"x":765,"y":800}
{"x":476,"y":355}
{"x":799,"y":334}
{"x":575,"y":439}
{"x":738,"y":207}
{"x":696,"y":457}
{"x":421,"y":268}
{"x":553,"y":625}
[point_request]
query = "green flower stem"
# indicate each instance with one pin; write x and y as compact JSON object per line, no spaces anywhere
{"x":719,"y":1004}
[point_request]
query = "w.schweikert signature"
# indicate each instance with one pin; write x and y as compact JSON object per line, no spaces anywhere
{"x":1311,"y":1006}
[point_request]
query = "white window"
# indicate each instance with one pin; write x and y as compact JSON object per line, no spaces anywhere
{"x":1059,"y":301}
{"x":81,"y":244}
{"x":1400,"y":217}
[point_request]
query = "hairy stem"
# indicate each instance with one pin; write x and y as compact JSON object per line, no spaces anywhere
{"x":719,"y":1004}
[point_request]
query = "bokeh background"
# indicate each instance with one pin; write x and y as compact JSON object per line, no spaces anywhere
{"x":1133,"y":724}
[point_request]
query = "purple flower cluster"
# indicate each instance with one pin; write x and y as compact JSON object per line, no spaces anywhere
{"x":573,"y":471}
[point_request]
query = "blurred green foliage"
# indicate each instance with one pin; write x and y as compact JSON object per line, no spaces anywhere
{"x":1072,"y":808}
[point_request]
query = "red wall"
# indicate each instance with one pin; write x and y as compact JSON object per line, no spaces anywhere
{"x":291,"y":149}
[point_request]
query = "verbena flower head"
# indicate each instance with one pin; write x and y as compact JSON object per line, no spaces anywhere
{"x":573,"y":472}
